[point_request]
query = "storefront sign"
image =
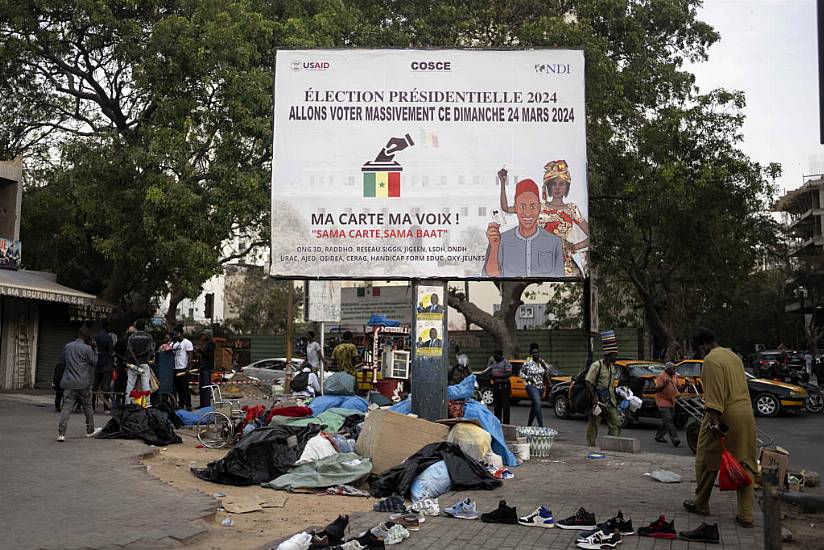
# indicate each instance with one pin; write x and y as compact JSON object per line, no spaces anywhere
{"x":389,"y":164}
{"x":323,"y":301}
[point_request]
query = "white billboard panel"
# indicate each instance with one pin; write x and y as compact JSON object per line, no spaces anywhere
{"x":429,"y":164}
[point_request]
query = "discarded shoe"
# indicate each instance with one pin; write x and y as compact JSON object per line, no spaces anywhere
{"x":370,"y":541}
{"x":410,"y":522}
{"x":582,"y":520}
{"x":335,"y":530}
{"x":396,"y":535}
{"x":659,"y":529}
{"x":502,"y":514}
{"x":703,"y":533}
{"x":392,"y":503}
{"x":296,"y":542}
{"x":541,"y":517}
{"x":465,"y":509}
{"x":623,"y":525}
{"x":61,"y":438}
{"x":601,"y":541}
{"x":409,"y":514}
{"x":428,"y":506}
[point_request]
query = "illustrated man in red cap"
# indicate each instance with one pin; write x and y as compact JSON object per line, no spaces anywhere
{"x":526,"y":250}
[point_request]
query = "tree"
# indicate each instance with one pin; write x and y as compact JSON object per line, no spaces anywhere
{"x":162,"y":110}
{"x":255,"y":303}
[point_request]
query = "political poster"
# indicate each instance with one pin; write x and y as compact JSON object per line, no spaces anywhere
{"x":452,"y":164}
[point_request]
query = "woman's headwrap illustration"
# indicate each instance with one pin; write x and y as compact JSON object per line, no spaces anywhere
{"x":556,"y":169}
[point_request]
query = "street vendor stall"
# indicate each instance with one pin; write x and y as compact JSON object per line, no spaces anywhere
{"x":386,"y":362}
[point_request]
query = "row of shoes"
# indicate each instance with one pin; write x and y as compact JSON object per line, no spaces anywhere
{"x":608,"y":534}
{"x":332,"y":537}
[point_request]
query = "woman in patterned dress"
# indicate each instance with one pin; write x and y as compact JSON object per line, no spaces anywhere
{"x":562,"y":219}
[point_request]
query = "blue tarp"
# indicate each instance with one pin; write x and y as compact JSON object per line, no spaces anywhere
{"x":465,"y":389}
{"x":325,"y":402}
{"x":377,"y":320}
{"x":189,"y":418}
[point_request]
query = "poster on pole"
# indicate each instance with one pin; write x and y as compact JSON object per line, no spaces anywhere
{"x":453,"y":164}
{"x":324,"y":301}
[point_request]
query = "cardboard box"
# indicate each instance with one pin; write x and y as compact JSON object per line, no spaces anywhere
{"x":776,"y":458}
{"x":388,"y":438}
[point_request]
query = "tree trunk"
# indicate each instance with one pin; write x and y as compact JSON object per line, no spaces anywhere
{"x":175,"y":297}
{"x":501,"y":325}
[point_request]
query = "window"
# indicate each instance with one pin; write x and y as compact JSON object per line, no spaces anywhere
{"x":482,"y":211}
{"x":464,"y":211}
{"x":526,"y":312}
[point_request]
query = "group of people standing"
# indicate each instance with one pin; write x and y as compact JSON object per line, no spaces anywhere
{"x":101,"y":369}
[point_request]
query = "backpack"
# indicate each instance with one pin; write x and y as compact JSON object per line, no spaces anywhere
{"x":300,"y":382}
{"x":580,"y":400}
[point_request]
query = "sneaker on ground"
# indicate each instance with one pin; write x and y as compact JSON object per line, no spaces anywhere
{"x":706,"y":532}
{"x":335,"y":530}
{"x":659,"y":529}
{"x":411,"y":523}
{"x":428,"y":506}
{"x":409,"y":514}
{"x":541,"y":517}
{"x":465,"y":509}
{"x":368,"y":540}
{"x":601,"y":541}
{"x":582,"y":520}
{"x":396,"y":535}
{"x":502,"y":514}
{"x":95,"y":432}
{"x":61,"y":438}
{"x":623,"y":525}
{"x":392,"y":503}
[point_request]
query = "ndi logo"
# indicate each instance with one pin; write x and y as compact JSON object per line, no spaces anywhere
{"x":553,"y":68}
{"x":310,"y":65}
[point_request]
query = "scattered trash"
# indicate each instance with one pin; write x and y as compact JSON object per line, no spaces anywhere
{"x":199,"y":446}
{"x":228,"y":522}
{"x":218,"y":495}
{"x":786,"y":535}
{"x":346,"y":490}
{"x":242,"y":505}
{"x":596,"y":456}
{"x":664,"y":476}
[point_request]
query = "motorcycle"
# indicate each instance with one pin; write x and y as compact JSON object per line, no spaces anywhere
{"x":815,"y":394}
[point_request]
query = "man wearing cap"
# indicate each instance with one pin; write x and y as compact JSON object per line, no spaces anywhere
{"x":524,"y":251}
{"x":667,"y":385}
{"x":602,"y":391}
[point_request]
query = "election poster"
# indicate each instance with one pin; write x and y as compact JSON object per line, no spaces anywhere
{"x":451,"y":164}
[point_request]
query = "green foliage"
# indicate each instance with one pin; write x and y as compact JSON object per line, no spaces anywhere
{"x":168,"y":105}
{"x":257,"y":303}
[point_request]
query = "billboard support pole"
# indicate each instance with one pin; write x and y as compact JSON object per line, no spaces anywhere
{"x":429,"y":370}
{"x":588,"y":317}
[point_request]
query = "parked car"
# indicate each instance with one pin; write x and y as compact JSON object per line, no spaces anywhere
{"x":639,"y":376}
{"x":270,"y":371}
{"x":518,"y":388}
{"x":766,"y":361}
{"x":769,"y":397}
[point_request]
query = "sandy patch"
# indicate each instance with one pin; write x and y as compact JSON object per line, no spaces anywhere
{"x":253,"y":529}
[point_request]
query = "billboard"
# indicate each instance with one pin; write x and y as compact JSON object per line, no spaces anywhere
{"x":454,"y":164}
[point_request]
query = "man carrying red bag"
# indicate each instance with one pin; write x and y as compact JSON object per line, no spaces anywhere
{"x":728,"y":415}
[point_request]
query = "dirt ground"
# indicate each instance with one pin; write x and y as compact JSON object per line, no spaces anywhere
{"x":806,"y":528}
{"x":253,"y":529}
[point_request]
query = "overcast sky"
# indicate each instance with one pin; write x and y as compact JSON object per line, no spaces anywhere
{"x":768,"y":49}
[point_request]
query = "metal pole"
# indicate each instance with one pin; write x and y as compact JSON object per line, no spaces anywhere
{"x":290,"y":304}
{"x":821,"y":68}
{"x":429,"y":365}
{"x":771,"y":506}
{"x":322,"y":353}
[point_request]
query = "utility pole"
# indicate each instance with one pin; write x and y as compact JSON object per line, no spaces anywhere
{"x":290,"y":315}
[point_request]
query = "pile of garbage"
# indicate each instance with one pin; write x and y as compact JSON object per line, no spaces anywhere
{"x":343,"y":445}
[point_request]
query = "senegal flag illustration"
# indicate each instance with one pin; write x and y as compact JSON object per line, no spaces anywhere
{"x":382,"y":183}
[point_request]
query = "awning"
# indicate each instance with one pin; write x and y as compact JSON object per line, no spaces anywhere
{"x":34,"y":285}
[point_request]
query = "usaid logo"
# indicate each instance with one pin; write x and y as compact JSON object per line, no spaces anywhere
{"x":310,"y":65}
{"x":553,"y":68}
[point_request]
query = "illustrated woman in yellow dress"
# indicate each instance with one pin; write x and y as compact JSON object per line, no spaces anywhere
{"x":562,"y":219}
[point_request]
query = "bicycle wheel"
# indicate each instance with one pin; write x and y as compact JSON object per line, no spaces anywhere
{"x":214,"y":430}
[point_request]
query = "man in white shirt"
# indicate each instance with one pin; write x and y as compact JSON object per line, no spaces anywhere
{"x":314,"y":353}
{"x":312,"y":384}
{"x":183,"y":350}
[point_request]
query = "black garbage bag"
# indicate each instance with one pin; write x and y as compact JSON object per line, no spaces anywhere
{"x":135,"y":422}
{"x":464,"y":471}
{"x":260,"y":456}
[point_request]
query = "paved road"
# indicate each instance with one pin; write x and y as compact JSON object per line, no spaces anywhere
{"x":801,"y":434}
{"x":84,"y":493}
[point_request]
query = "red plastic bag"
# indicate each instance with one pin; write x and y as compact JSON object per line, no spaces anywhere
{"x":731,"y":475}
